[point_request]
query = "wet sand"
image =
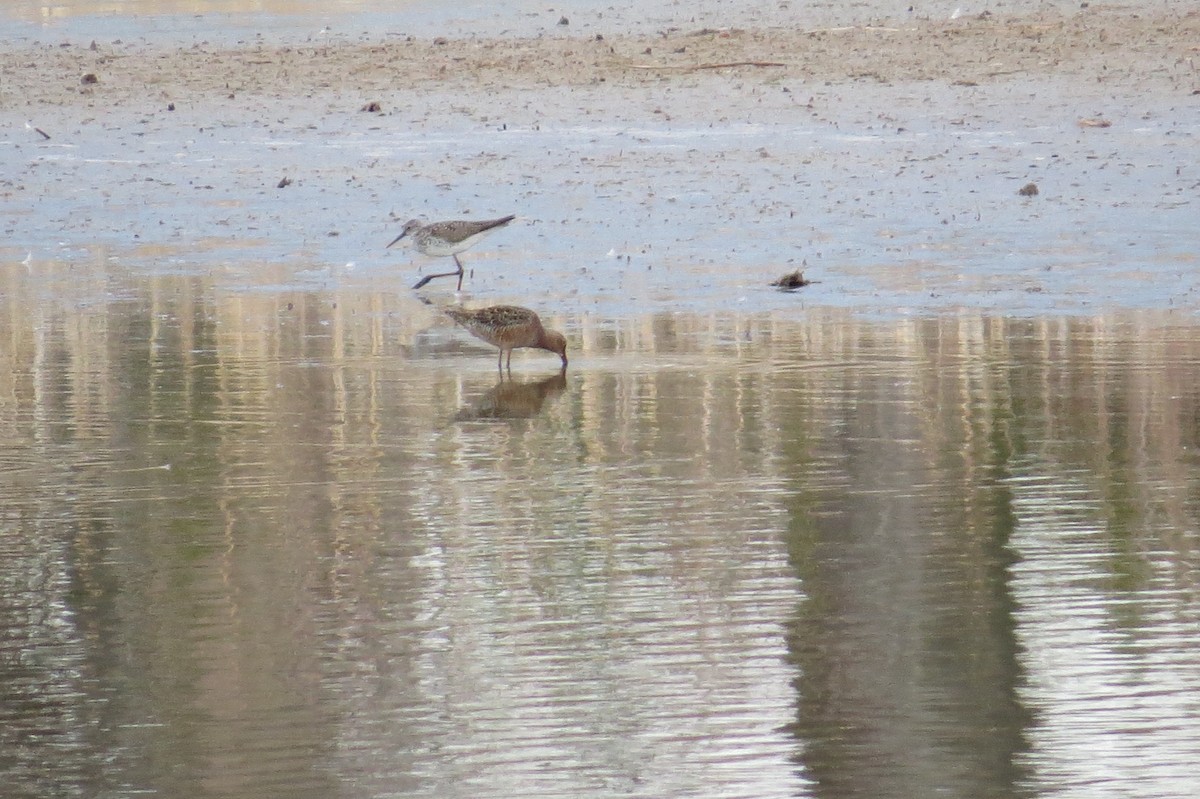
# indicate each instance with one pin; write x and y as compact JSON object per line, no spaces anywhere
{"x":1101,"y":48}
{"x":649,"y":171}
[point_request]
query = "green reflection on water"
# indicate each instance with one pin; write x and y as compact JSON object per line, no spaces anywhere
{"x":310,"y":541}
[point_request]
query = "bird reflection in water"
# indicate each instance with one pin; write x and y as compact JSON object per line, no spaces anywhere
{"x":511,"y":399}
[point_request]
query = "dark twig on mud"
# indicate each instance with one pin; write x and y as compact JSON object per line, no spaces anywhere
{"x":694,"y":67}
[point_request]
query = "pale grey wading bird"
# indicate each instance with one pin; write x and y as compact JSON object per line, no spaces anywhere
{"x":510,"y":327}
{"x":448,"y":238}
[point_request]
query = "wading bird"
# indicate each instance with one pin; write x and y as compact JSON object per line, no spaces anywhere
{"x":510,"y":327}
{"x":448,"y":238}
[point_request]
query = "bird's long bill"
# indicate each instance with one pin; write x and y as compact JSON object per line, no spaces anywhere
{"x":402,"y":235}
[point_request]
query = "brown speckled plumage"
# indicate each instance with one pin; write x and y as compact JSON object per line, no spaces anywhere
{"x":510,"y":327}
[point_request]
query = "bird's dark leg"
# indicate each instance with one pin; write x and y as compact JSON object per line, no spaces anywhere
{"x":500,"y":363}
{"x":428,"y":278}
{"x":458,"y":263}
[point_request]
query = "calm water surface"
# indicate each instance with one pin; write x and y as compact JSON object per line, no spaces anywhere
{"x":304,"y":545}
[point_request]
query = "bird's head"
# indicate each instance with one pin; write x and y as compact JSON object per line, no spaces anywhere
{"x":557,"y":343}
{"x":409,"y":227}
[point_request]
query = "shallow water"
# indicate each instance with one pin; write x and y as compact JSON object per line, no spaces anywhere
{"x":628,"y":214}
{"x":302,"y":544}
{"x":233,"y":20}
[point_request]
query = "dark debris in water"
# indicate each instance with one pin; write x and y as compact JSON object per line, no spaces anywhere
{"x":791,"y":281}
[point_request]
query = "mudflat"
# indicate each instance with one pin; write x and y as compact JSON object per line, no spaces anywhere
{"x":962,"y":153}
{"x":1098,"y":47}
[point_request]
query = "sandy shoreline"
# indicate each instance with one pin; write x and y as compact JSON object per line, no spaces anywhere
{"x":1098,"y":47}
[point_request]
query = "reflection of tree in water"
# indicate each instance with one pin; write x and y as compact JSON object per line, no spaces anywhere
{"x":514,"y":400}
